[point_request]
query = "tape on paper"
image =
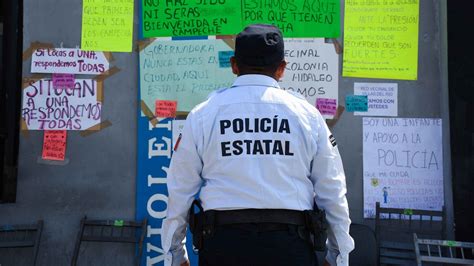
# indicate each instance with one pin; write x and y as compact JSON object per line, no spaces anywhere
{"x":148,"y":113}
{"x":33,"y":46}
{"x":227,"y":39}
{"x":26,"y":81}
{"x":144,"y":44}
{"x":100,"y":91}
{"x":109,"y":56}
{"x":96,"y":128}
{"x":24,"y":128}
{"x":114,"y":70}
{"x":332,"y":122}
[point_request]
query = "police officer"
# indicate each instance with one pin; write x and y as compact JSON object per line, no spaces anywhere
{"x":259,"y":156}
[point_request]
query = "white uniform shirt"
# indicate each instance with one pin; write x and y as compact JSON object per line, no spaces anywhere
{"x":256,"y":146}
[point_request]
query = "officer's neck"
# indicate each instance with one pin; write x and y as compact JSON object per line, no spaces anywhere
{"x":258,"y":73}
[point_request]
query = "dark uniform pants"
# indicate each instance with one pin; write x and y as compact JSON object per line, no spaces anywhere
{"x":257,"y":245}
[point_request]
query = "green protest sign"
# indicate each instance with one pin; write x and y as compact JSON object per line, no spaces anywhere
{"x":164,"y":18}
{"x":296,"y":18}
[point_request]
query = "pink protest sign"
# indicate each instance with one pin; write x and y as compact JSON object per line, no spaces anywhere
{"x":326,"y":106}
{"x":63,"y":80}
{"x":54,"y":145}
{"x":164,"y":108}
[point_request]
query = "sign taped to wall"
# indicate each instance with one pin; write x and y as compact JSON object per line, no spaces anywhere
{"x":382,"y":98}
{"x":312,"y":70}
{"x":182,"y":71}
{"x":403,"y":164}
{"x":155,"y":147}
{"x":381,"y":40}
{"x":357,"y":103}
{"x":48,"y":108}
{"x":188,"y":71}
{"x":326,"y":106}
{"x":190,"y":18}
{"x":68,"y":61}
{"x":295,"y":18}
{"x":54,"y":145}
{"x":63,"y":80}
{"x":107,"y":25}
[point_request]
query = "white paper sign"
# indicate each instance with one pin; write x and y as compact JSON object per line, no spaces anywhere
{"x":312,"y":69}
{"x":383,"y":98}
{"x":186,"y":71}
{"x":48,"y":108}
{"x":68,"y":61}
{"x":403,"y":164}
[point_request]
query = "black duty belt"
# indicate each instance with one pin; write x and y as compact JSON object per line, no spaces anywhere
{"x":245,"y":216}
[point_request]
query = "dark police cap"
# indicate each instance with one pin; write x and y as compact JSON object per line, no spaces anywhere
{"x":259,"y":45}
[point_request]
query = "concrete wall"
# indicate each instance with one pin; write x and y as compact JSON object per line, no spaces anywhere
{"x":99,"y":178}
{"x":423,"y":98}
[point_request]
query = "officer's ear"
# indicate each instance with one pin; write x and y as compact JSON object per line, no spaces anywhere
{"x":235,"y":67}
{"x":280,"y":70}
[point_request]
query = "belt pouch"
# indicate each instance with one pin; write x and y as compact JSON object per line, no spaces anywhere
{"x":317,"y":225}
{"x":196,"y":221}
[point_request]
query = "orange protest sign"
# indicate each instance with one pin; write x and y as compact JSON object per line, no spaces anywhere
{"x":165,"y":108}
{"x":54,"y":145}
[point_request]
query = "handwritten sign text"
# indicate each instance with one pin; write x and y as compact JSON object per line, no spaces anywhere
{"x":49,"y":108}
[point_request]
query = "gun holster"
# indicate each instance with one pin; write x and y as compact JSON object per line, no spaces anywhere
{"x":201,"y":224}
{"x":317,"y":225}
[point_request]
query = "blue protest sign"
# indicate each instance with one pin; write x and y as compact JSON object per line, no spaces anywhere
{"x":356,"y":103}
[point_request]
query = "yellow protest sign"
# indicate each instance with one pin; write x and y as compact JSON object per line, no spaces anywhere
{"x":381,"y":39}
{"x":107,"y":25}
